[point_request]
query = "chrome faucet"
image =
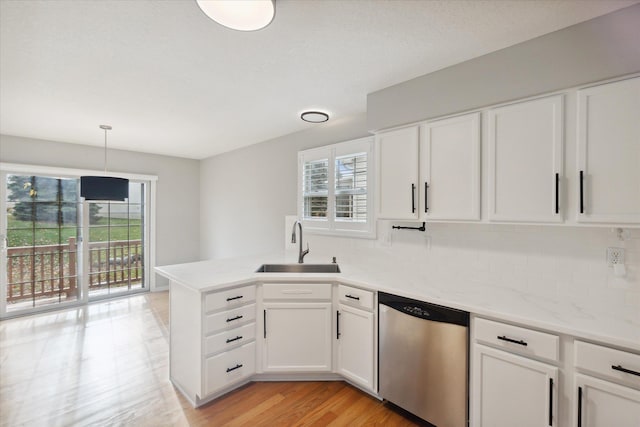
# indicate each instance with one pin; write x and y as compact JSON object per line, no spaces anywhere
{"x":301,"y":253}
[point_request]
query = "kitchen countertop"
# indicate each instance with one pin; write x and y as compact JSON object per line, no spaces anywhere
{"x":619,"y":326}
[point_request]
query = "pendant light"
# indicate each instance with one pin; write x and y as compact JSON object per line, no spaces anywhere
{"x":241,"y":15}
{"x":104,"y":188}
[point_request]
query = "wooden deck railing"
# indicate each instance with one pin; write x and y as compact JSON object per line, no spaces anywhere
{"x":51,"y":270}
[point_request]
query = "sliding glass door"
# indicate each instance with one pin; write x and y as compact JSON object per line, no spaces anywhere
{"x":59,"y":250}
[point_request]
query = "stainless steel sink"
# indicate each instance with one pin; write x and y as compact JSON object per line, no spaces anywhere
{"x":298,"y":268}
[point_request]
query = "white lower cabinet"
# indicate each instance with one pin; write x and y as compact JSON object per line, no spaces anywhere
{"x":513,"y":390}
{"x":509,"y":387}
{"x":355,"y":332}
{"x":605,"y":404}
{"x":297,"y":337}
{"x":229,"y":367}
{"x":614,"y":398}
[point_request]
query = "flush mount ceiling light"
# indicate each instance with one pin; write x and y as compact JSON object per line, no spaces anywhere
{"x":314,"y":116}
{"x":104,"y":188}
{"x":241,"y":15}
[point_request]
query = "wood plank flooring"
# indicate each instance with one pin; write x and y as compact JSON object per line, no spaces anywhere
{"x":107,"y":364}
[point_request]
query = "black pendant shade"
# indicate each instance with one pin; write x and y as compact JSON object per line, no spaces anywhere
{"x":105,"y":188}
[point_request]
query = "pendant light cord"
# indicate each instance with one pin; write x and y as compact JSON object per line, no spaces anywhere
{"x":105,"y":152}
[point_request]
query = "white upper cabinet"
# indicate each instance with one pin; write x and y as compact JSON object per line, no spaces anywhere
{"x":609,"y":153}
{"x":397,"y":157}
{"x":450,"y":169}
{"x":525,"y":161}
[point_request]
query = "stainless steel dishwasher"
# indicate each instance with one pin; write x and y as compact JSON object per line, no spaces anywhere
{"x":424,"y":359}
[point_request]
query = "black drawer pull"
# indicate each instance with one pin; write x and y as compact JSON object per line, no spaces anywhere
{"x":519,"y":342}
{"x":581,"y":192}
{"x":426,"y":195}
{"x":579,"y":406}
{"x":550,"y":401}
{"x":232,"y":298}
{"x":239,"y":337}
{"x":235,"y":318}
{"x":352,"y":297}
{"x":625,"y":370}
{"x":413,"y":198}
{"x":238,"y":366}
{"x":557,"y":193}
{"x":338,"y":324}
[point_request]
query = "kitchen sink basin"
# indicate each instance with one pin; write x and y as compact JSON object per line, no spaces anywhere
{"x":298,"y":268}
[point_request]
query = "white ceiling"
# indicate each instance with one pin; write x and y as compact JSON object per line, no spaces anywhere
{"x":171,"y":81}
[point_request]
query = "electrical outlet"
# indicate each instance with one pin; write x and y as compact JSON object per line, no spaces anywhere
{"x":615,"y":256}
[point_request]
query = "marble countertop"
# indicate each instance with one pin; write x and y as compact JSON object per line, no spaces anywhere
{"x":619,"y":326}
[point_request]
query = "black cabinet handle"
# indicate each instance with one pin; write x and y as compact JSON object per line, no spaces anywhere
{"x":413,"y":198}
{"x":264,"y":317}
{"x":426,"y":197}
{"x":232,"y":298}
{"x":581,"y":192}
{"x":238,"y":366}
{"x":557,"y":193}
{"x":338,"y":324}
{"x":239,"y":337}
{"x":550,"y":401}
{"x":579,"y":406}
{"x":235,"y":318}
{"x":625,"y":370}
{"x":519,"y":342}
{"x":352,"y":297}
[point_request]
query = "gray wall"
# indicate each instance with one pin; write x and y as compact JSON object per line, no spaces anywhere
{"x":602,"y":48}
{"x":178,"y":187}
{"x":245,"y":194}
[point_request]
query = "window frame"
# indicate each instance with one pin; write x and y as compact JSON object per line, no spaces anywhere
{"x":331,"y":225}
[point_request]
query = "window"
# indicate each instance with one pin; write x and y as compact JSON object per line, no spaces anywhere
{"x":335,"y":188}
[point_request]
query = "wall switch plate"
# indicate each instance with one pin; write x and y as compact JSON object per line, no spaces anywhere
{"x":615,"y":256}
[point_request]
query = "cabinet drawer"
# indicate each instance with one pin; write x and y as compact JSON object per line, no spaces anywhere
{"x":608,"y":362}
{"x":229,"y":298}
{"x":229,"y":319}
{"x":229,"y":367}
{"x":517,"y":340}
{"x":355,"y":297}
{"x":284,"y":291}
{"x":229,"y":339}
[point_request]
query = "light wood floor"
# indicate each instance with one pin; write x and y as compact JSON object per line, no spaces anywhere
{"x":108,"y":364}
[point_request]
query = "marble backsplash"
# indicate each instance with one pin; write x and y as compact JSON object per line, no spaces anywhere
{"x":557,"y":262}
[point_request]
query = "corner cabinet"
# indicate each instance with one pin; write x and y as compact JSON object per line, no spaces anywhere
{"x":609,"y":153}
{"x":297,"y":327}
{"x":397,"y":161}
{"x":355,"y":332}
{"x":525,"y":161}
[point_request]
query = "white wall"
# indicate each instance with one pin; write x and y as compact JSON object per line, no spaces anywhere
{"x":598,"y":49}
{"x":245,"y":194}
{"x":178,"y":187}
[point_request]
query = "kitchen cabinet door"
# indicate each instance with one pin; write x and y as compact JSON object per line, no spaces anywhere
{"x":297,"y":337}
{"x":397,"y":158}
{"x":354,"y":330}
{"x":609,"y":153}
{"x":450,"y":169}
{"x":525,"y":161}
{"x":511,"y":390}
{"x":604,"y":404}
